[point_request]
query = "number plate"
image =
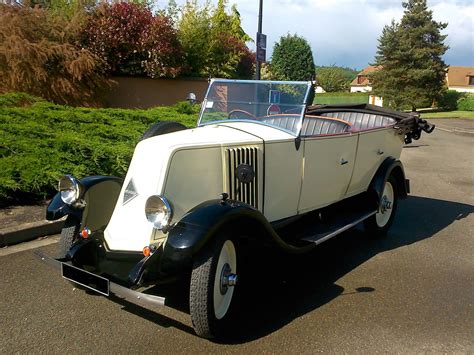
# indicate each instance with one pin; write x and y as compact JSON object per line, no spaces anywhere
{"x":84,"y":278}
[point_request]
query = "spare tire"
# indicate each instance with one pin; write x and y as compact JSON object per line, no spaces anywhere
{"x":162,"y":127}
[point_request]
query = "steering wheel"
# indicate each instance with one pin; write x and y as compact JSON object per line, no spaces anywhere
{"x":236,"y":113}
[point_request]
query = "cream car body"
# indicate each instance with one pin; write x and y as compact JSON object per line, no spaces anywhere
{"x":260,"y":158}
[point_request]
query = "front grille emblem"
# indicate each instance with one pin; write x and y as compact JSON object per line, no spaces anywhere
{"x":130,"y":192}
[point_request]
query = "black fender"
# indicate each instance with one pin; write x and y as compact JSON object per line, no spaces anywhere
{"x":58,"y":209}
{"x":390,"y":166}
{"x":197,"y":227}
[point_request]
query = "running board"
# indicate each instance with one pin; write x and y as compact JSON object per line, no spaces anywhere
{"x":336,"y":229}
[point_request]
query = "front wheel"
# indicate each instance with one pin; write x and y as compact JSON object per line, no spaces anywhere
{"x":379,"y":224}
{"x":213,"y":281}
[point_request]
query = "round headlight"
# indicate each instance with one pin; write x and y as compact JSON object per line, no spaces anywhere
{"x":158,"y":211}
{"x":70,"y":189}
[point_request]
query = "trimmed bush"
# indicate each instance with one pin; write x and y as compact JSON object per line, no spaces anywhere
{"x":466,"y":103}
{"x":341,"y":98}
{"x":449,"y":100}
{"x":292,"y":59}
{"x":18,"y":99}
{"x":44,"y":141}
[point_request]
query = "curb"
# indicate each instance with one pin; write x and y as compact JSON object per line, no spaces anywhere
{"x":29,"y":231}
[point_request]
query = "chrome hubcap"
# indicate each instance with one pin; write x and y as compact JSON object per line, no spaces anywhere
{"x":385,"y":205}
{"x":228,"y":279}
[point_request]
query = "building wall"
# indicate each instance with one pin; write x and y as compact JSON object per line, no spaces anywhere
{"x":361,"y":88}
{"x":376,"y":100}
{"x":462,"y":89}
{"x":319,"y":90}
{"x":133,"y":92}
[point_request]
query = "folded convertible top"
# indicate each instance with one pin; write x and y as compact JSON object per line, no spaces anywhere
{"x":408,"y":124}
{"x":364,"y":108}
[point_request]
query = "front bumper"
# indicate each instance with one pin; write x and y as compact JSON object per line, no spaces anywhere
{"x":132,"y":296}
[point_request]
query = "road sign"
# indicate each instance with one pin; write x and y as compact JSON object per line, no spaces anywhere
{"x":261,"y":40}
{"x":261,"y":55}
{"x":273,"y":110}
{"x":274,"y":96}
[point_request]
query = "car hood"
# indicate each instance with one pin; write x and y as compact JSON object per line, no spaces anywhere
{"x":128,"y":228}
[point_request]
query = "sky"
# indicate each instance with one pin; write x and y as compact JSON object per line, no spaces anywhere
{"x":345,"y":32}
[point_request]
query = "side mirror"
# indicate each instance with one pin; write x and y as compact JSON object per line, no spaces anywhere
{"x":191,"y":98}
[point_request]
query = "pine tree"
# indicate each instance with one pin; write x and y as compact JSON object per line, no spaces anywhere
{"x":409,"y":54}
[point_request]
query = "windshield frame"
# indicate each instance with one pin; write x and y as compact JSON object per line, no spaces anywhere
{"x":304,"y":105}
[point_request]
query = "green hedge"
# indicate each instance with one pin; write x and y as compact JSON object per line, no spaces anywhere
{"x":466,"y":103}
{"x":43,"y":141}
{"x":18,"y":99}
{"x":341,"y":98}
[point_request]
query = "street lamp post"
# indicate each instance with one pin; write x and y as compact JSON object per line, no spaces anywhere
{"x":260,"y":10}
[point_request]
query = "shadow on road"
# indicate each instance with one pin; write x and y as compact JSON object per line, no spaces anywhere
{"x":275,"y":289}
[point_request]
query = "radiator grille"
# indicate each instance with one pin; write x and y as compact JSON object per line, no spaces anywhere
{"x":247,"y":193}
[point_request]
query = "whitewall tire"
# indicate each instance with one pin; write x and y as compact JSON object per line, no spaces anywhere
{"x":213,"y":282}
{"x":379,"y":224}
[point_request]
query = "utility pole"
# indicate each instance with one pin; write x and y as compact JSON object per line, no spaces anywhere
{"x":259,"y":33}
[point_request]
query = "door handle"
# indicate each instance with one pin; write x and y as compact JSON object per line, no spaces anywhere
{"x":344,"y":161}
{"x":380,"y":152}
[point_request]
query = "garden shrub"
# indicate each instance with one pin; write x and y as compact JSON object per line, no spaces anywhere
{"x":18,"y":99}
{"x":133,"y":41}
{"x":39,"y":55}
{"x":40,"y":143}
{"x":449,"y":100}
{"x":187,"y":108}
{"x":466,"y":103}
{"x":292,"y":59}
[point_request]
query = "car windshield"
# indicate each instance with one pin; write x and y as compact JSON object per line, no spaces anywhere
{"x":274,"y":103}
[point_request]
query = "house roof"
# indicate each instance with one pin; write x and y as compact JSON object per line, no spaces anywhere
{"x":459,"y":76}
{"x":364,"y":73}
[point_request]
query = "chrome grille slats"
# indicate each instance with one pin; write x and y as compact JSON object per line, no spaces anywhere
{"x":238,"y":191}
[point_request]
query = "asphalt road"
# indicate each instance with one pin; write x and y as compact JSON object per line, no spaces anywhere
{"x":410,"y":292}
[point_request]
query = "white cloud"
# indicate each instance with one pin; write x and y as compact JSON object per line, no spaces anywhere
{"x":345,"y":32}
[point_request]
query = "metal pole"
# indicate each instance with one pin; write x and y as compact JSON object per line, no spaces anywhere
{"x":260,"y":9}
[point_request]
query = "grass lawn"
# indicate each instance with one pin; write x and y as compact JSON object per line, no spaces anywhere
{"x":449,"y":114}
{"x":343,"y":99}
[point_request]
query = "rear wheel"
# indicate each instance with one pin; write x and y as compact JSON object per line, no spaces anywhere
{"x":380,"y":223}
{"x":213,"y":281}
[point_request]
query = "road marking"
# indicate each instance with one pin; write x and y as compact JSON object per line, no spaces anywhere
{"x":455,"y":130}
{"x":28,"y":245}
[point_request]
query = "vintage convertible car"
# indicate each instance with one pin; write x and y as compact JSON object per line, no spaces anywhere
{"x":259,"y":159}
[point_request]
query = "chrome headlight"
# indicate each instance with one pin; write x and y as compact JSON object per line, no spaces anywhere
{"x":70,"y":189}
{"x":158,"y":211}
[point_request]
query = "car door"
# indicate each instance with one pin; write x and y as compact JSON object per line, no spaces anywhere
{"x":283,"y":170}
{"x":370,"y":154}
{"x":327,"y":169}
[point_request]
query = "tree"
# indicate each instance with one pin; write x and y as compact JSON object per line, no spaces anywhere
{"x":332,"y":78}
{"x":133,"y":41}
{"x":39,"y":56}
{"x":194,"y":35}
{"x":409,"y":53}
{"x":292,"y":59}
{"x":214,"y":41}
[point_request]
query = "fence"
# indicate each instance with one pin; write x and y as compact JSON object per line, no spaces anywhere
{"x":133,"y":92}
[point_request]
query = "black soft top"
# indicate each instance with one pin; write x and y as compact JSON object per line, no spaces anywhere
{"x":364,"y":108}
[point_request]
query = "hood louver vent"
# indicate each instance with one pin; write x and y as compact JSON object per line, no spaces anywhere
{"x":238,"y":190}
{"x":130,"y":192}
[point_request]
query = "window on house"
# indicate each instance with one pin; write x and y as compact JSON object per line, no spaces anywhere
{"x":471,"y":80}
